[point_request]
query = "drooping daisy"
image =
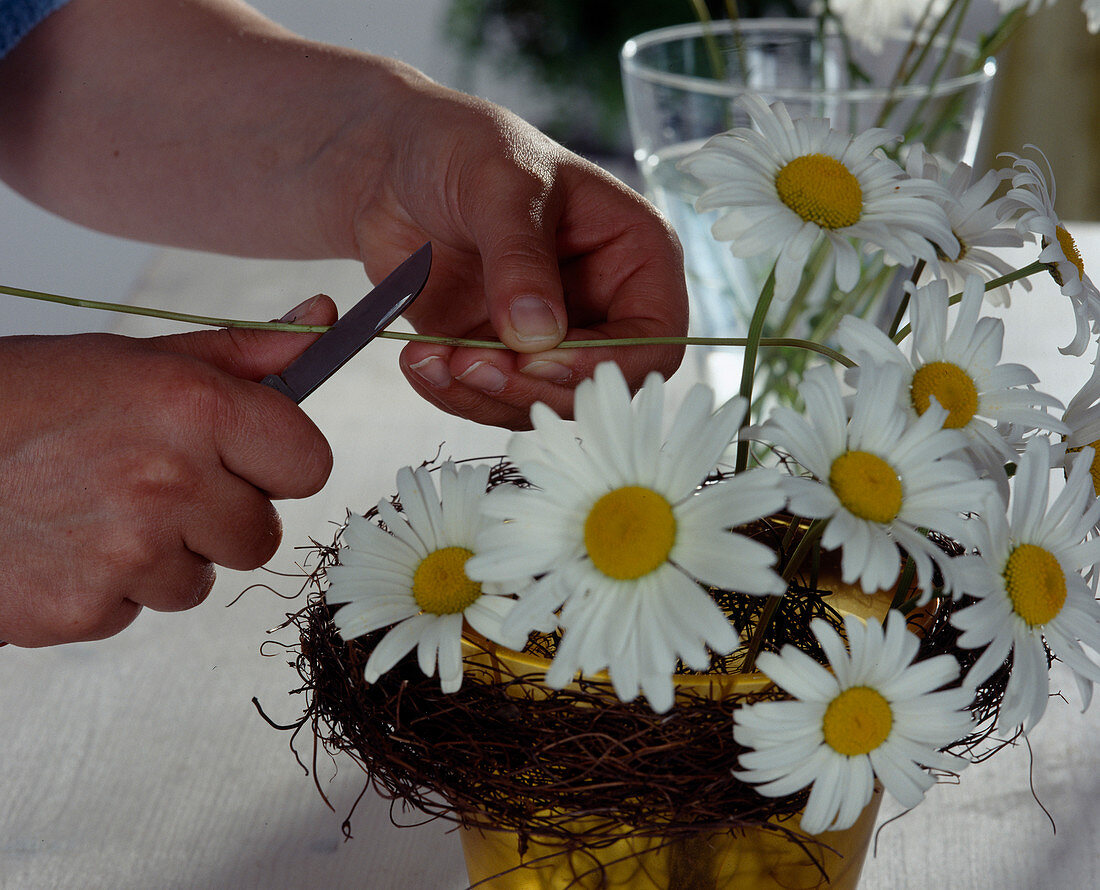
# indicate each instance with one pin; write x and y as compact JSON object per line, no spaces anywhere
{"x":413,"y":576}
{"x":784,"y":186}
{"x":975,"y":217}
{"x":1082,"y":419}
{"x":1029,"y":586}
{"x":878,"y":478}
{"x":960,"y":368}
{"x":1031,"y":195}
{"x":876,"y":714}
{"x":621,"y":534}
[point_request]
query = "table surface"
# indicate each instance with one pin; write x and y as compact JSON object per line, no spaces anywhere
{"x":140,"y":761}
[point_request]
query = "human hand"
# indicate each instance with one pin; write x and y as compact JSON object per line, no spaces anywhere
{"x":531,"y":245}
{"x":320,"y":151}
{"x":128,"y":467}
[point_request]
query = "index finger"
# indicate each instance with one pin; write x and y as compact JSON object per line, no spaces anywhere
{"x":265,"y":439}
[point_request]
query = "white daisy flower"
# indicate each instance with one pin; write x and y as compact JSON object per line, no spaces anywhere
{"x":413,"y":577}
{"x":622,"y":535}
{"x":975,"y":217}
{"x":876,"y":714}
{"x":960,"y":369}
{"x":1031,"y":195}
{"x":878,"y":478}
{"x":1029,"y":586}
{"x":790,"y":183}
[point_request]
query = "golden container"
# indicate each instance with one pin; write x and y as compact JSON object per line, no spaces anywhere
{"x":739,"y":859}
{"x":753,"y":859}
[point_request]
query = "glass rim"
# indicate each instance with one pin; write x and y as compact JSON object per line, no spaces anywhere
{"x":632,"y":66}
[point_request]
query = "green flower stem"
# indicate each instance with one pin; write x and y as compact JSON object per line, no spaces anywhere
{"x":161,"y":313}
{"x":994,"y":42}
{"x":937,"y":74}
{"x":717,"y":63}
{"x":902,"y":74}
{"x":819,"y":348}
{"x":748,"y":367}
{"x":903,"y":77}
{"x":801,"y":551}
{"x":859,"y":301}
{"x":992,"y":284}
{"x":805,"y":296}
{"x":808,"y":345}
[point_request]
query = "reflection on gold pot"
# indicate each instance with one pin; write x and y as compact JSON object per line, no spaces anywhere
{"x":743,"y":859}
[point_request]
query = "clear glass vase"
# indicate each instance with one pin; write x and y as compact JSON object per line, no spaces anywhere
{"x":681,"y":86}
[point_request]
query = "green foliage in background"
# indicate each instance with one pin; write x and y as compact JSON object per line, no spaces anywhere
{"x":571,"y":49}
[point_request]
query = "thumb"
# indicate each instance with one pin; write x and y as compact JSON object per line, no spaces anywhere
{"x":253,"y":354}
{"x":523,"y":290}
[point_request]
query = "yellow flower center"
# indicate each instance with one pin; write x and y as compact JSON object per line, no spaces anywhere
{"x":961,"y":255}
{"x":440,"y":585}
{"x":629,"y":532}
{"x":1035,"y":583}
{"x":1094,"y":468}
{"x":953,"y":389}
{"x":1069,"y":248}
{"x":857,"y":721}
{"x":821,"y":190}
{"x":866,"y":485}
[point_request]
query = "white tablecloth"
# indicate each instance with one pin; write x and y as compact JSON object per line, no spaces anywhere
{"x":140,"y":762}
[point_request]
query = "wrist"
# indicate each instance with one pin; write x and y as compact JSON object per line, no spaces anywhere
{"x":360,"y":164}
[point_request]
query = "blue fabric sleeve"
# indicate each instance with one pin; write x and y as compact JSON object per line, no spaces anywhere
{"x":17,"y":17}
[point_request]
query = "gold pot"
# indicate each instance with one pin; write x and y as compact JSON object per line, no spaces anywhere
{"x":777,"y":858}
{"x":753,"y":859}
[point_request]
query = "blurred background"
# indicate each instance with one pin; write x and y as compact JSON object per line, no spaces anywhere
{"x":555,"y":62}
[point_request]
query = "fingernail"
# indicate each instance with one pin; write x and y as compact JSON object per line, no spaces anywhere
{"x":298,"y":311}
{"x":555,"y":372}
{"x":434,"y":371}
{"x":484,"y":377}
{"x":533,"y":319}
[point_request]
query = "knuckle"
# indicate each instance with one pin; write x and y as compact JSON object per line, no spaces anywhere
{"x":123,"y":552}
{"x":77,"y":615}
{"x":151,"y":474}
{"x":186,"y":590}
{"x":261,"y":532}
{"x":185,"y":390}
{"x":524,"y":253}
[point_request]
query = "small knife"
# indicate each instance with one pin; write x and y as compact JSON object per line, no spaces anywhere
{"x":358,"y":326}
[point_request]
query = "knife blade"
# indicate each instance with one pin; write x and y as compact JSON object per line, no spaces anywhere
{"x":358,"y":326}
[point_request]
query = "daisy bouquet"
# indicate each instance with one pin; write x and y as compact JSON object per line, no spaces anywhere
{"x":921,"y":69}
